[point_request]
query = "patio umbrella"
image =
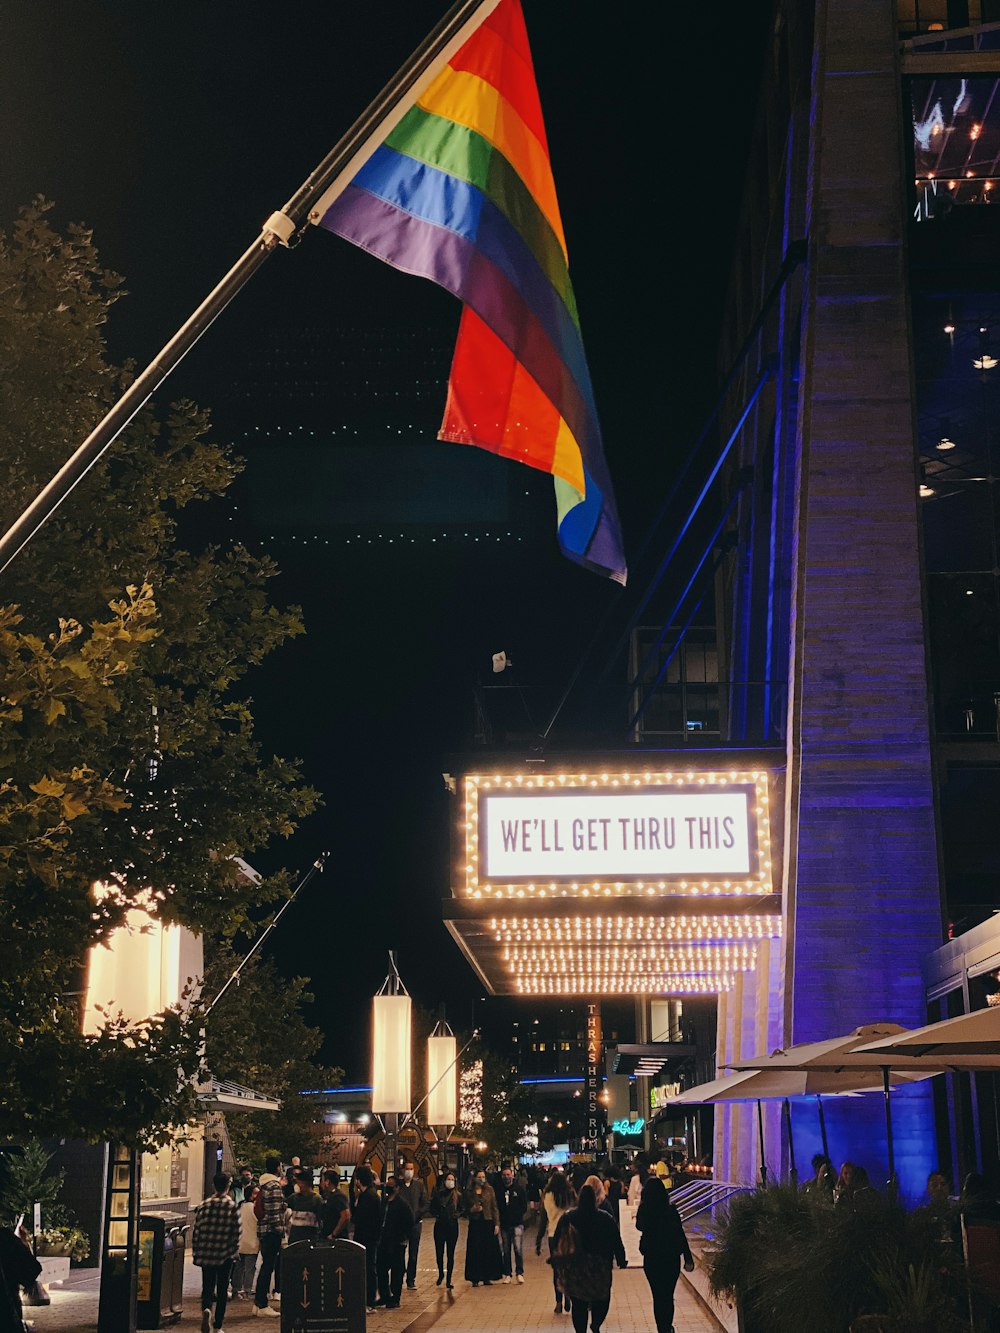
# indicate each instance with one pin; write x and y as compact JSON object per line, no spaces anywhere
{"x":841,"y":1055}
{"x":968,"y":1042}
{"x":879,"y":1045}
{"x":782,"y":1084}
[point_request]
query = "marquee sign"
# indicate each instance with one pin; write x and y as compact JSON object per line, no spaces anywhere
{"x":617,"y":832}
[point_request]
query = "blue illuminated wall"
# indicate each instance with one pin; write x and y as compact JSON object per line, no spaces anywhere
{"x":862,"y":897}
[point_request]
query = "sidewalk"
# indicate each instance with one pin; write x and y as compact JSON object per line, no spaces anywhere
{"x":464,"y":1310}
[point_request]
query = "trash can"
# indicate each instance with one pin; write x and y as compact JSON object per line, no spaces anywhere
{"x":160,"y":1269}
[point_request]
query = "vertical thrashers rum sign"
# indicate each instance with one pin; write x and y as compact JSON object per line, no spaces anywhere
{"x":595,"y":1047}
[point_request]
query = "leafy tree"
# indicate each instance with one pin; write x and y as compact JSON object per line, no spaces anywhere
{"x":28,"y":1179}
{"x":508,"y":1106}
{"x":257,"y":1035}
{"x":128,"y":747}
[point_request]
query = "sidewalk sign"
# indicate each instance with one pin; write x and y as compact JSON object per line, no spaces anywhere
{"x":323,"y":1287}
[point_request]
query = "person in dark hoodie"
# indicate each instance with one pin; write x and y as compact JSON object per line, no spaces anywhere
{"x":367,"y":1217}
{"x":397,"y":1227}
{"x":662,"y":1244}
{"x":512,"y":1204}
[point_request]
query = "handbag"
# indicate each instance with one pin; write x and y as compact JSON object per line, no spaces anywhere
{"x":580,"y":1274}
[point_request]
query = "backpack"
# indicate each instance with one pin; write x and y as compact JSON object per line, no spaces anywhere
{"x":258,"y":1206}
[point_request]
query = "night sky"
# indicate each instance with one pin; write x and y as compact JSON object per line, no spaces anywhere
{"x":173,"y":131}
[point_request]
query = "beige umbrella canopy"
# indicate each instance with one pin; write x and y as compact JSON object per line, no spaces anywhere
{"x":764,"y":1085}
{"x":751,"y":1085}
{"x":844,"y":1054}
{"x":855,"y":1051}
{"x":968,"y":1042}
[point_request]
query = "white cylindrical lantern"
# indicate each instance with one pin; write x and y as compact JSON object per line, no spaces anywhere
{"x":442,"y":1080}
{"x":391,"y":1054}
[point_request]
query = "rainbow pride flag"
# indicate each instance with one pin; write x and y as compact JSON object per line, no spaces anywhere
{"x":461,"y":192}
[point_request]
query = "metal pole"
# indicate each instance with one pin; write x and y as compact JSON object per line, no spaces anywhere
{"x":315,"y":868}
{"x":316,"y":193}
{"x":793,"y":1174}
{"x":888,"y":1132}
{"x":822,"y":1126}
{"x":760,"y":1136}
{"x":766,"y":374}
{"x":635,"y":683}
{"x":412,"y":1115}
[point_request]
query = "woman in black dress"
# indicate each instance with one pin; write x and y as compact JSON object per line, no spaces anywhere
{"x":482,"y":1245}
{"x":662,"y":1245}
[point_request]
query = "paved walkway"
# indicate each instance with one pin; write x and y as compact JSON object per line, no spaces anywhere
{"x":531,"y":1306}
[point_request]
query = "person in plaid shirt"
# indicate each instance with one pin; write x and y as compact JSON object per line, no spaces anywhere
{"x":215,"y":1243}
{"x":270,"y":1210}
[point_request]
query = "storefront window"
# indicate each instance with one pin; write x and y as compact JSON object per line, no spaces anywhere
{"x":174,"y":1171}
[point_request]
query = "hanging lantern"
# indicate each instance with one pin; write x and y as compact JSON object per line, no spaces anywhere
{"x":441,"y":1080}
{"x":391,"y":1054}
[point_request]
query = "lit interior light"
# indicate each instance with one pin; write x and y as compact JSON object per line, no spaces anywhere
{"x":949,"y":329}
{"x":985,"y":362}
{"x":926,"y":491}
{"x":945,"y":444}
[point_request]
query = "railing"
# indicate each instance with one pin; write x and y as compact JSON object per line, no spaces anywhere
{"x":698,"y":712}
{"x":920,"y":36}
{"x":977,"y":718}
{"x":702,"y":1196}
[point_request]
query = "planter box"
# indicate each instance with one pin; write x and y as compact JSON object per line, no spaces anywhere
{"x":55,"y":1269}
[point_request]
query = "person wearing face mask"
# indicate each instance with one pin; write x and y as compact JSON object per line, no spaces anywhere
{"x":414,"y":1195}
{"x":512,"y":1204}
{"x":482,"y":1247}
{"x":446,"y":1206}
{"x":397,"y":1223}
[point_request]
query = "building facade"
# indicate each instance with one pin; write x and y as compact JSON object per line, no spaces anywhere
{"x":857,"y":637}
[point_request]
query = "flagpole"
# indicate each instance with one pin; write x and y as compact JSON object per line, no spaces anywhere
{"x":307,"y":204}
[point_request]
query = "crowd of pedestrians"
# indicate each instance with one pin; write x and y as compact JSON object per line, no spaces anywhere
{"x":240,"y":1231}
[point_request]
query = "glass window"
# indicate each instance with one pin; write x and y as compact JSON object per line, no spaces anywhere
{"x":956,"y":144}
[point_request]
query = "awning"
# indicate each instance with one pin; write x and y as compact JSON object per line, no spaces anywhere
{"x":218,"y":1096}
{"x":649,"y":1059}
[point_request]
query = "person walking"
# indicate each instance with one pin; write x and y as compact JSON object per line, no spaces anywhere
{"x":367,"y":1219}
{"x":397,"y":1225}
{"x":616,"y":1192}
{"x":555,"y":1201}
{"x":414,"y":1194}
{"x":215,"y":1243}
{"x":634,"y":1192}
{"x":597,"y":1185}
{"x":586,"y":1245}
{"x":512,"y":1204}
{"x":662,"y":1245}
{"x":482,"y":1249}
{"x":269,"y":1209}
{"x":304,"y":1208}
{"x":246,"y":1262}
{"x":446,"y":1208}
